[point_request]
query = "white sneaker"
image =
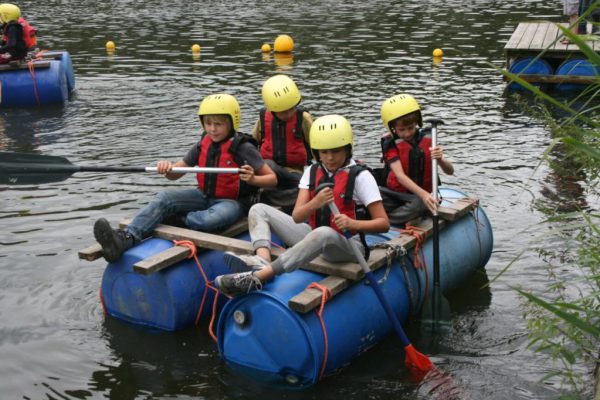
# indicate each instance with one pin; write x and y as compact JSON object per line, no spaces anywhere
{"x":243,"y":263}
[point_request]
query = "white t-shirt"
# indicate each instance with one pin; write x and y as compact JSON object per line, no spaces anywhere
{"x":365,"y":187}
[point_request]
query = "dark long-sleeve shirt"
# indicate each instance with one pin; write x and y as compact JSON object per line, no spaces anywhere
{"x":15,"y":45}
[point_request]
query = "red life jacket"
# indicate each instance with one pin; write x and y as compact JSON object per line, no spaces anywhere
{"x":343,"y":189}
{"x":222,"y":155}
{"x":29,"y":33}
{"x":283,"y":141}
{"x":415,"y":159}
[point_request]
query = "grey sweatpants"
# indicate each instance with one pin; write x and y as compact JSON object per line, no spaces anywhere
{"x":304,"y":243}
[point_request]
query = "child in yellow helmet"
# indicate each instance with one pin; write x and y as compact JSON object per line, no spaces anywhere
{"x":334,"y":178}
{"x":407,"y":153}
{"x":282,"y":131}
{"x":219,"y":200}
{"x":18,"y":37}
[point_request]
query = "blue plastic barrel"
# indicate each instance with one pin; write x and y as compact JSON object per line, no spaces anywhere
{"x":531,"y":66}
{"x":168,"y":299}
{"x":262,"y":338}
{"x":18,"y":86}
{"x":576,"y":67}
{"x":65,"y":58}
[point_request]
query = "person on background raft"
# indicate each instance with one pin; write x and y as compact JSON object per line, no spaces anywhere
{"x":571,"y":10}
{"x":593,"y":17}
{"x":282,"y":132}
{"x":407,"y":154}
{"x":219,"y":201}
{"x":18,"y":37}
{"x":312,"y":230}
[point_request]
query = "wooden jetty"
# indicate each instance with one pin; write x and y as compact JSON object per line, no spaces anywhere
{"x":340,"y":275}
{"x":543,"y":38}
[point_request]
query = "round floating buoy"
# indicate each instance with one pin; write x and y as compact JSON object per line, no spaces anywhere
{"x":265,"y":48}
{"x":283,"y":44}
{"x":196,"y":48}
{"x":110,"y":46}
{"x":438,"y":53}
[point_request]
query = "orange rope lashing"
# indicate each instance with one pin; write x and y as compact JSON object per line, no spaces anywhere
{"x":325,"y":296}
{"x":207,"y":285}
{"x":419,"y":256}
{"x":31,"y":67}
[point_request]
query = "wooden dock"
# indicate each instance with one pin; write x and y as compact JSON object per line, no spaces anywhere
{"x":543,"y":39}
{"x":531,"y":38}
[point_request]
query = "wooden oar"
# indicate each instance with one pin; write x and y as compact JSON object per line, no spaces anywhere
{"x":27,"y":169}
{"x":435,"y":314}
{"x":418,"y":364}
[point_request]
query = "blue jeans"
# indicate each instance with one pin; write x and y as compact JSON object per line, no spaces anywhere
{"x":201,"y":212}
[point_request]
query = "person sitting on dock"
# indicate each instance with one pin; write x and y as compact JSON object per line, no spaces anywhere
{"x":282,"y":131}
{"x":18,"y":37}
{"x":219,"y":201}
{"x":407,"y":154}
{"x":336,"y":178}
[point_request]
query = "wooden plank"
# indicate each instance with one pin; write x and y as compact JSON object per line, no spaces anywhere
{"x":162,"y":260}
{"x":584,"y":80}
{"x":515,"y":38}
{"x":457,"y":209}
{"x":550,"y":37}
{"x":310,"y":299}
{"x":528,"y":35}
{"x":36,"y":65}
{"x":537,"y":42}
{"x":91,"y":253}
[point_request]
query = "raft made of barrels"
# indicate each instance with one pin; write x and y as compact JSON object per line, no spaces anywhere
{"x":45,"y":80}
{"x":272,"y":335}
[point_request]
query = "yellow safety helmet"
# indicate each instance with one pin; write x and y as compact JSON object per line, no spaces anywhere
{"x":221,"y":104}
{"x":399,"y":106}
{"x":9,"y":12}
{"x":280,"y":93}
{"x":330,"y":132}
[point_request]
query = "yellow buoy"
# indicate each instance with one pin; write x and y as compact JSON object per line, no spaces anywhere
{"x":283,"y":44}
{"x":196,"y":48}
{"x":265,"y":48}
{"x":438,"y":52}
{"x":110,"y":45}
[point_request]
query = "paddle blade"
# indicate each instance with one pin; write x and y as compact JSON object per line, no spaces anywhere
{"x":27,"y":169}
{"x":417,"y":363}
{"x":435,"y":314}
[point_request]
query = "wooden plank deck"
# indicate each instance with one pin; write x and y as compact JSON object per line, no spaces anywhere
{"x":531,"y":38}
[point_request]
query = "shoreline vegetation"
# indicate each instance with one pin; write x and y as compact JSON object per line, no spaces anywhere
{"x":564,"y":320}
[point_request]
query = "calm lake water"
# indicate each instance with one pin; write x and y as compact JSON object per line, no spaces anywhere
{"x":139,"y":105}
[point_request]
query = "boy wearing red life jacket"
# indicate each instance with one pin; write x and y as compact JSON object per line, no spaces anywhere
{"x":407,"y":153}
{"x":282,"y":131}
{"x":312,"y":230}
{"x":219,"y":201}
{"x":18,"y":37}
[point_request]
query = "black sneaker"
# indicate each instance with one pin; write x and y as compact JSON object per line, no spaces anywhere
{"x":241,"y":263}
{"x":237,"y":284}
{"x":114,"y":242}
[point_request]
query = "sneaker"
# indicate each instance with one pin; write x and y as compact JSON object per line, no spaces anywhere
{"x":240,"y":263}
{"x":114,"y":242}
{"x":237,"y":284}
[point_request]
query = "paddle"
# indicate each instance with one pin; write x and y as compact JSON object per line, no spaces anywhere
{"x":436,"y":309}
{"x":417,"y":363}
{"x":26,"y":169}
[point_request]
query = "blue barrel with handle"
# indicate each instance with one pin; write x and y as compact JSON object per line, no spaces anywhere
{"x":168,"y":299}
{"x":577,"y":67}
{"x":530,"y":66}
{"x":65,"y":58}
{"x":261,"y":337}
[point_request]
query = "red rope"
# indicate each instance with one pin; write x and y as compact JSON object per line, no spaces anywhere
{"x":32,"y":73}
{"x":325,"y":296}
{"x":419,"y":257}
{"x":207,"y":285}
{"x":102,"y":300}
